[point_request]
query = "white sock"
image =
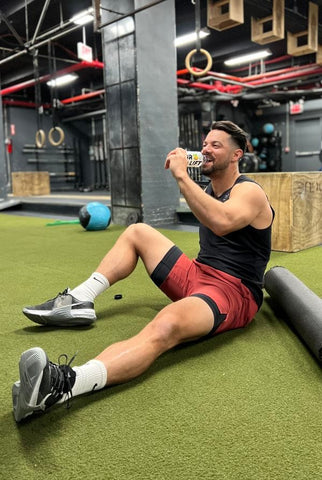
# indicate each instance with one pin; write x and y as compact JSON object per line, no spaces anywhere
{"x":93,"y":286}
{"x":89,"y":377}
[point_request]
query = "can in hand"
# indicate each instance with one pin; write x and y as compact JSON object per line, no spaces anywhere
{"x":194,"y":159}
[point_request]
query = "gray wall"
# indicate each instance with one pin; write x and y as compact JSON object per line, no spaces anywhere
{"x":300,"y":133}
{"x":50,"y":158}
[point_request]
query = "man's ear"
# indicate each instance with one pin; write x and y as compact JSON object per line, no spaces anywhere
{"x":238,"y":153}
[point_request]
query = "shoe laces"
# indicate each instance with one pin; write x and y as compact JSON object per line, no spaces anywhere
{"x":62,"y":294}
{"x":62,"y":380}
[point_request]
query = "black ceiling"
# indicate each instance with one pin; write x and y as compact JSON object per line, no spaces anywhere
{"x":19,"y":62}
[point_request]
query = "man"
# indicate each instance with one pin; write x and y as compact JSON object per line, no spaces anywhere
{"x":220,"y":290}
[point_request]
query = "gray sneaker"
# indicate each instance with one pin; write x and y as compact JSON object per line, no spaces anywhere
{"x":41,"y":383}
{"x":62,"y":311}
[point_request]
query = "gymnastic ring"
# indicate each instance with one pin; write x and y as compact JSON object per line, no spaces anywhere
{"x":60,"y":139}
{"x":40,"y":138}
{"x":209,"y":62}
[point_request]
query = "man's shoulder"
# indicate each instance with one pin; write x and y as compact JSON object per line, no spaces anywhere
{"x":244,"y":178}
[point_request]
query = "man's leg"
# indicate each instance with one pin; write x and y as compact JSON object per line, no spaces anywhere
{"x":43,"y":384}
{"x":76,"y":306}
{"x":181,"y":321}
{"x":138,"y":240}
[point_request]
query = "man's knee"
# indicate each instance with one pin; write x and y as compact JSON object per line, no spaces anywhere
{"x":148,"y":243}
{"x":165,"y":331}
{"x":138,"y":231}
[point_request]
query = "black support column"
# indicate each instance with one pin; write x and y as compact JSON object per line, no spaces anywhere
{"x":141,"y":102}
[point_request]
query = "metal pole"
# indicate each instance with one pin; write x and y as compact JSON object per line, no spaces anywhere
{"x":37,"y":45}
{"x":41,"y":18}
{"x":85,"y":115}
{"x":12,"y":29}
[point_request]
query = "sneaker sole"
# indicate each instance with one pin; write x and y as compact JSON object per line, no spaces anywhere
{"x":82,"y":317}
{"x":24,"y":397}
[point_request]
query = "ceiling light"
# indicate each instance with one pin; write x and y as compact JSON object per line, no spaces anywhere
{"x":190,"y":37}
{"x":63,"y":80}
{"x":83,"y":17}
{"x":248,"y":58}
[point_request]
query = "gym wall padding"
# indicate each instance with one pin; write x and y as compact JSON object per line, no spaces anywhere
{"x":302,"y":306}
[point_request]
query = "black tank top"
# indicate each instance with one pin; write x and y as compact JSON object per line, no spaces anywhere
{"x":243,"y":253}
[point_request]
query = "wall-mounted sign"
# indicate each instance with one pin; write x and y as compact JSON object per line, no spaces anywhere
{"x":84,"y":52}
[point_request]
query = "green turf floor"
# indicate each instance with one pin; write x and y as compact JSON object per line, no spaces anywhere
{"x":243,"y":405}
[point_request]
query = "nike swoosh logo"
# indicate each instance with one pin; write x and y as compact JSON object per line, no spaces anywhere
{"x":63,"y":305}
{"x":94,"y":278}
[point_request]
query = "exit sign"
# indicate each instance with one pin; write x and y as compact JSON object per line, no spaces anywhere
{"x":296,"y":107}
{"x":84,"y":52}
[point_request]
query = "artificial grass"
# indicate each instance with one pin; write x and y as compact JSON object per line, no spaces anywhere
{"x":243,"y":405}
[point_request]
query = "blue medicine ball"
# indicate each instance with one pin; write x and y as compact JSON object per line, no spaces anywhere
{"x":255,"y":142}
{"x":268,"y":128}
{"x":95,"y":216}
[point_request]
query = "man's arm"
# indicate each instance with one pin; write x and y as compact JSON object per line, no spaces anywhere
{"x":247,"y":204}
{"x":244,"y":206}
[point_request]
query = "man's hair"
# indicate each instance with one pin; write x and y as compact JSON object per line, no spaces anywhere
{"x":238,"y":135}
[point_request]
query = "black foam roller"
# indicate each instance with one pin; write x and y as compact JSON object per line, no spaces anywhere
{"x":302,"y":306}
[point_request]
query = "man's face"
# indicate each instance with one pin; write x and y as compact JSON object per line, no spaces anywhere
{"x":218,"y":151}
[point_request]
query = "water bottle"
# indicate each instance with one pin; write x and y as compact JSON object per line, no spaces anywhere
{"x":194,"y":159}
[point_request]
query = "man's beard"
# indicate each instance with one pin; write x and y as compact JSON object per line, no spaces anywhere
{"x":208,"y":168}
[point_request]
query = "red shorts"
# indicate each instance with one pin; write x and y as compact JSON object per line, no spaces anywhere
{"x":231,"y":301}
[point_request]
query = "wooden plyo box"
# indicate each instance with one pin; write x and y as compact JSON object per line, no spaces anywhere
{"x":25,"y":184}
{"x":297,"y":200}
{"x":294,"y":45}
{"x":263,"y":35}
{"x":224,"y":14}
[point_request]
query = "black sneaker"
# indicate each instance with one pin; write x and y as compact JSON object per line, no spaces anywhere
{"x":41,"y":383}
{"x":62,"y":311}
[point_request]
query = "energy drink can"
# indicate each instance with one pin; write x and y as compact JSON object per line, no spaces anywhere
{"x":194,"y":159}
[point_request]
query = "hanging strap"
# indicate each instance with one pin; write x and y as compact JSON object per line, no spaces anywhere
{"x":198,"y":46}
{"x":197,"y":24}
{"x":54,"y":100}
{"x":40,"y":134}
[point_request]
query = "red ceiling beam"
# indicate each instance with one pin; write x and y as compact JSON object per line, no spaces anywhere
{"x":73,"y":68}
{"x":84,"y":96}
{"x":254,"y":81}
